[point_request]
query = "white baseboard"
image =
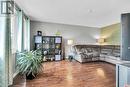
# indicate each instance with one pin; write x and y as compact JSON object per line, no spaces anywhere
{"x":15,"y":74}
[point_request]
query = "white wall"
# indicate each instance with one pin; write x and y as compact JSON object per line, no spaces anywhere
{"x":80,"y":34}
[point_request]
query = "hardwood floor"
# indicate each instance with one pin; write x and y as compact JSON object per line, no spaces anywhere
{"x":72,"y":74}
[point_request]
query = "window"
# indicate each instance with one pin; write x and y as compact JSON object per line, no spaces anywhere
{"x":3,"y":71}
{"x":26,"y":33}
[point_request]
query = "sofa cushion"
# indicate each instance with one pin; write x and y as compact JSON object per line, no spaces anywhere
{"x":106,"y":51}
{"x":89,"y":50}
{"x":96,"y":54}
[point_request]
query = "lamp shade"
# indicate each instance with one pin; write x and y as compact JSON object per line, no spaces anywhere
{"x":70,"y":42}
{"x":101,"y":40}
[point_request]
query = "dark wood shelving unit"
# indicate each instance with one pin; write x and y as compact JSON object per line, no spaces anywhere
{"x":50,"y":46}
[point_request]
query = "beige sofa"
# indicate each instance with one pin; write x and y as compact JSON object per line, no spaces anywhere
{"x":87,"y":53}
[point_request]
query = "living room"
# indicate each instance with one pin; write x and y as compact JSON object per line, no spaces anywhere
{"x":65,"y":43}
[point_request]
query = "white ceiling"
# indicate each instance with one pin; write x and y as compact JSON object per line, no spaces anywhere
{"x":92,"y":13}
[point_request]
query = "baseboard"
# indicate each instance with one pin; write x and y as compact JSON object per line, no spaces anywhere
{"x":15,"y":74}
{"x":94,"y":61}
{"x":14,"y":77}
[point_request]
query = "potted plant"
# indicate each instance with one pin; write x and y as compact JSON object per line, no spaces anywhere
{"x":29,"y":63}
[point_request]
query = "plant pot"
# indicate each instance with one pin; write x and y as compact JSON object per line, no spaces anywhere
{"x":30,"y":76}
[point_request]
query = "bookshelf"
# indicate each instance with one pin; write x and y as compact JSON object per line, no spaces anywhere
{"x":50,"y":46}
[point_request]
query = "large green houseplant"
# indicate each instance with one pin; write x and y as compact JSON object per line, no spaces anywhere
{"x":29,"y":63}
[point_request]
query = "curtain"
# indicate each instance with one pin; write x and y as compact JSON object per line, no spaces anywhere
{"x":3,"y":52}
{"x":16,"y":41}
{"x":14,"y":37}
{"x":4,"y":49}
{"x":5,"y":45}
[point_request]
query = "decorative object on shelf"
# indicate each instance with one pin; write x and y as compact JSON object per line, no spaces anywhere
{"x":57,"y":57}
{"x":38,"y":39}
{"x":57,"y":46}
{"x":101,"y":40}
{"x":29,"y":63}
{"x":38,"y":43}
{"x":45,"y":52}
{"x":58,"y":40}
{"x":58,"y":33}
{"x":39,"y":33}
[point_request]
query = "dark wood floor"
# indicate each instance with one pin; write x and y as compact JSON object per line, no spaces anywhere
{"x":72,"y":74}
